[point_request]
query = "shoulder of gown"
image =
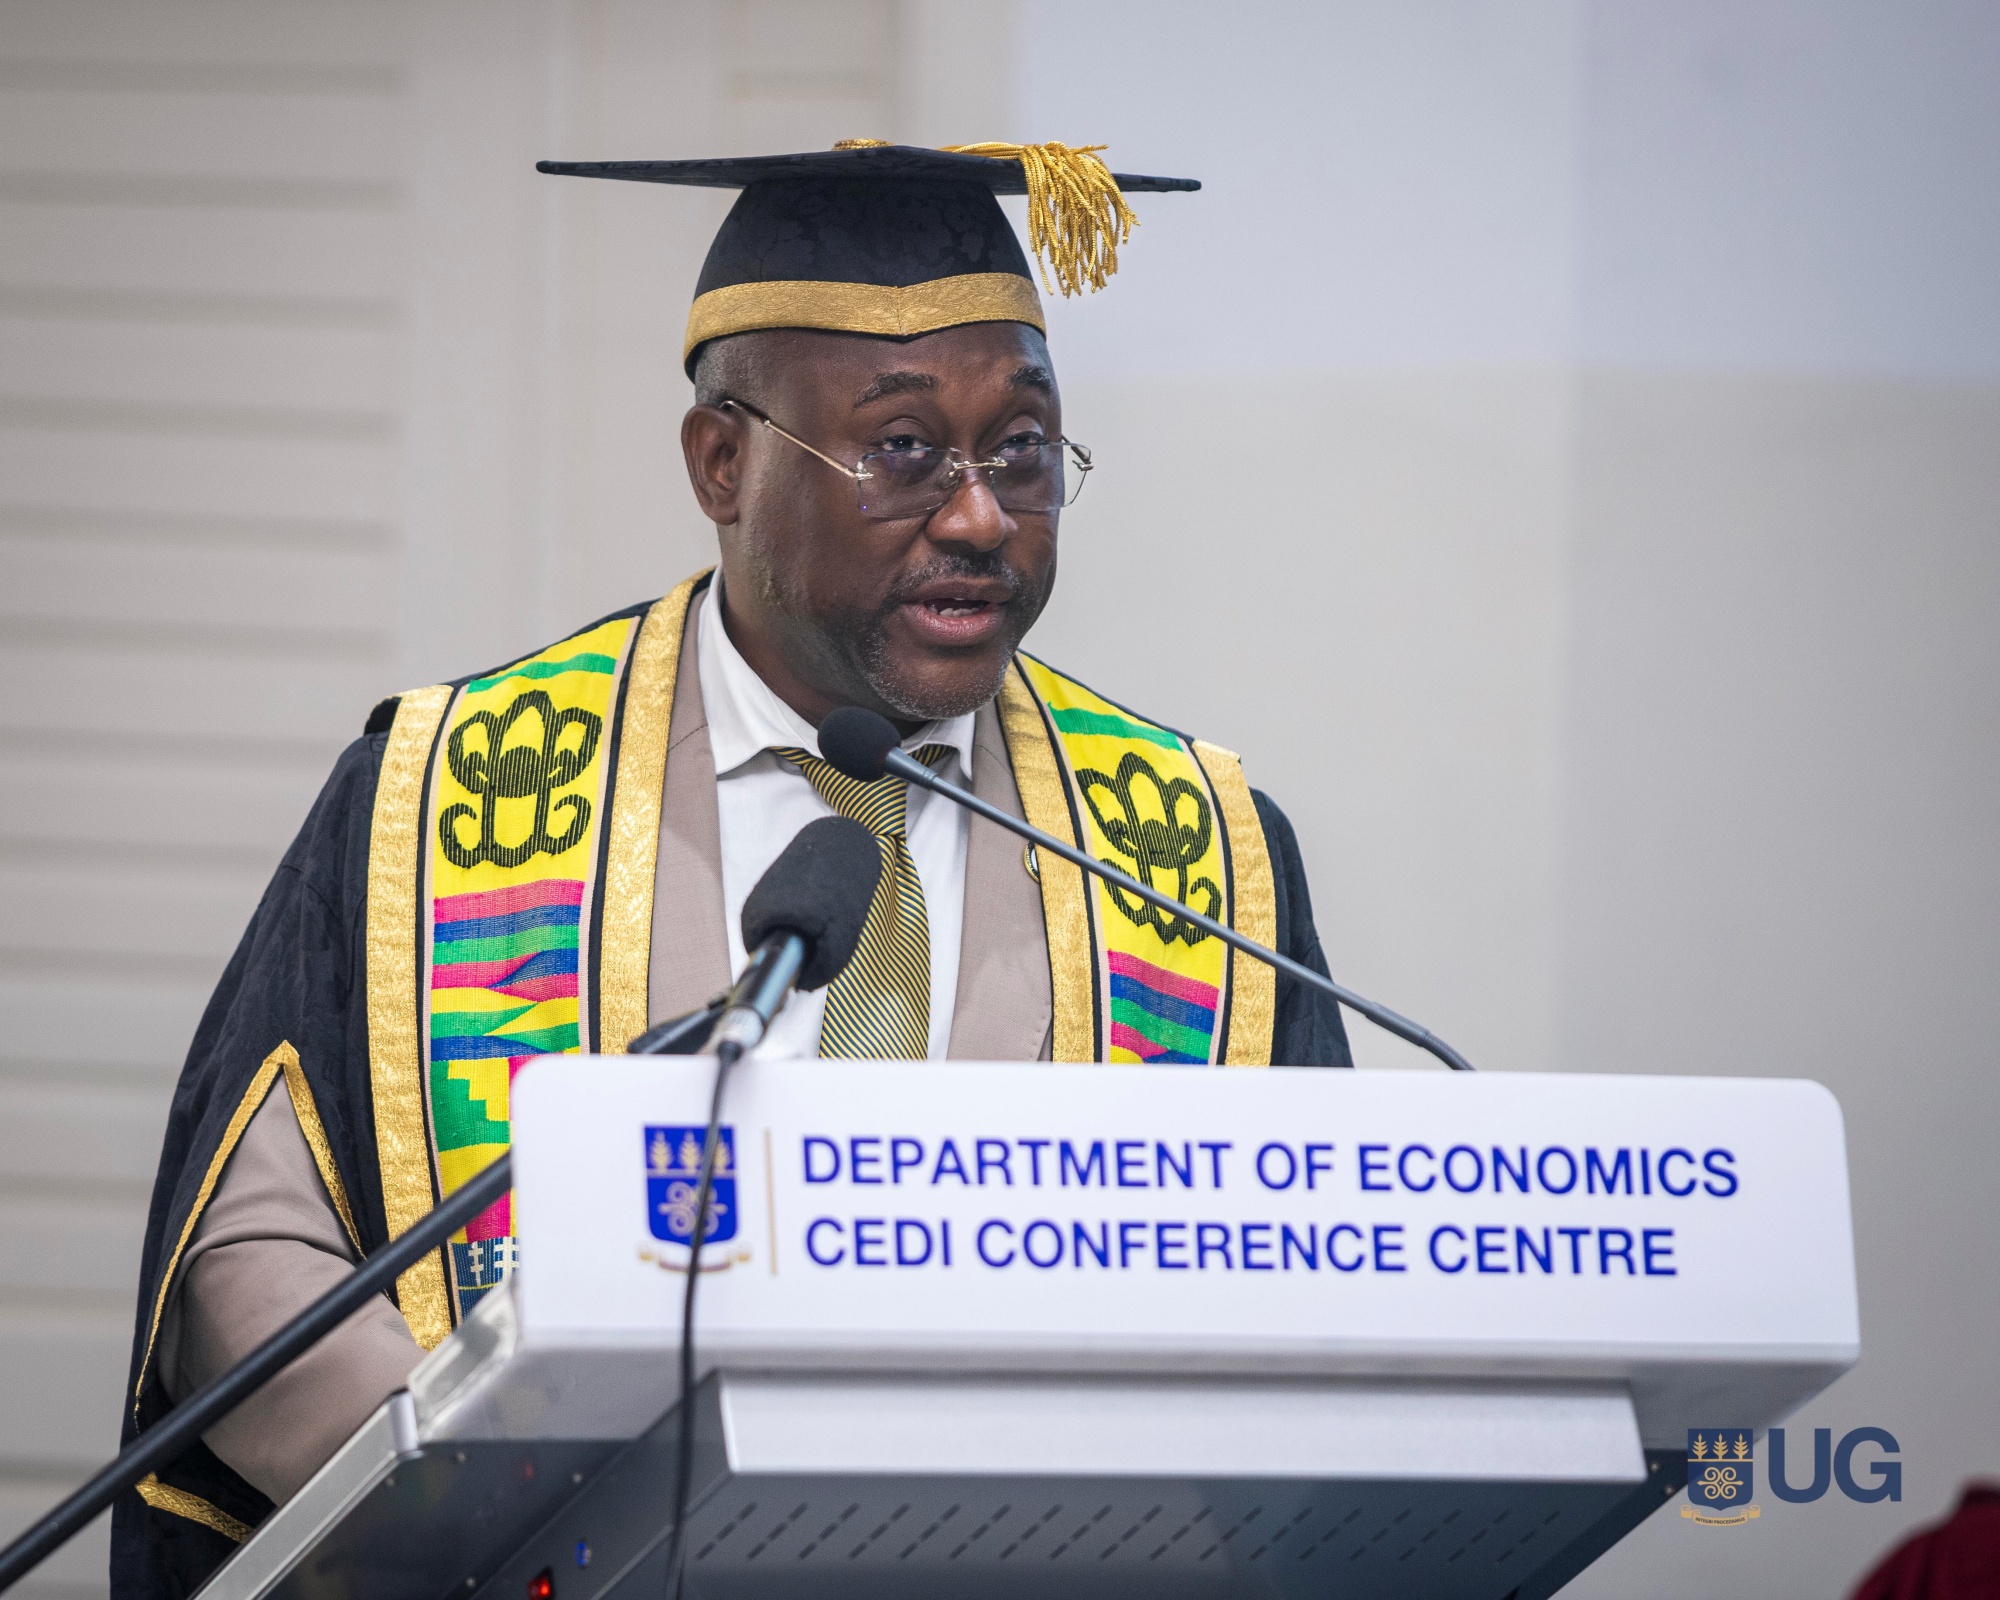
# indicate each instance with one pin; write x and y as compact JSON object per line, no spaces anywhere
{"x":1309,"y":1031}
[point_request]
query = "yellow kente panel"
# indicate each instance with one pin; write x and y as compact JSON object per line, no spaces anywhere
{"x":1146,"y":807}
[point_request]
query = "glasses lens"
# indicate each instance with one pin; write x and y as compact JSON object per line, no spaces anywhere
{"x":1026,"y":479}
{"x":904,"y":483}
{"x":1030,"y":480}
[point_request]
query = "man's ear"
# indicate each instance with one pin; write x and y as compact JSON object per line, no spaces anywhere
{"x":712,"y":440}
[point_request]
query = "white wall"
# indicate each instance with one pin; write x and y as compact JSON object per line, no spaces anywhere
{"x":1780,"y":853}
{"x":1613,"y":597}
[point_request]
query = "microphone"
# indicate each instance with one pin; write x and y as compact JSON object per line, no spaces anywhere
{"x":800,"y":925}
{"x":864,"y":746}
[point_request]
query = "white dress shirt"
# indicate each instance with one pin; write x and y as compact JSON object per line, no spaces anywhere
{"x":763,"y":801}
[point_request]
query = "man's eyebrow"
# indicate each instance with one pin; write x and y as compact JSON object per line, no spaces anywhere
{"x":888,"y":383}
{"x":1032,"y":377}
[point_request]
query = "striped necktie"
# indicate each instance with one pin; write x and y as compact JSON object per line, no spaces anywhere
{"x":879,"y":1007}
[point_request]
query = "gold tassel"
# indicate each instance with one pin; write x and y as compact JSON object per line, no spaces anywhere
{"x":1077,"y":218}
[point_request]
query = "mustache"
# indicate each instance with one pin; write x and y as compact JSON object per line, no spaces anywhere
{"x":986,"y":566}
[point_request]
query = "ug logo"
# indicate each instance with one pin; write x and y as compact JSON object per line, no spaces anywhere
{"x":1722,"y":1471}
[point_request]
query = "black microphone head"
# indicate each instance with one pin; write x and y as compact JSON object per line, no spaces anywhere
{"x":858,"y":742}
{"x":819,"y":888}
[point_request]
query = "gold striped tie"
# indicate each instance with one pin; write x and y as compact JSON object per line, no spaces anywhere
{"x":879,"y":1007}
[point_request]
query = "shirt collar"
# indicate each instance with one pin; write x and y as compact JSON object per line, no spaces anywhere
{"x":746,"y":718}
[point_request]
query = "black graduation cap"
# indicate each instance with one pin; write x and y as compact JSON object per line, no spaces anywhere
{"x":893,"y":240}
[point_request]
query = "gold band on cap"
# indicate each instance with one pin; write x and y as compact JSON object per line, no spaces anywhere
{"x":874,"y":308}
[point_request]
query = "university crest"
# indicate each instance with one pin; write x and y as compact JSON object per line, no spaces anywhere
{"x":673,"y":1180}
{"x":1721,"y":1477}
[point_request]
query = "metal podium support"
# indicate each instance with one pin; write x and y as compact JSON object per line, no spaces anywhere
{"x":486,"y":1518}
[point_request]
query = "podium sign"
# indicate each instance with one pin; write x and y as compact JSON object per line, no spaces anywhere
{"x":1293,"y":1221}
{"x":1007,"y":1330}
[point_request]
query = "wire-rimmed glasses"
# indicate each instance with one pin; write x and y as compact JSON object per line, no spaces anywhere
{"x":1027,"y":476}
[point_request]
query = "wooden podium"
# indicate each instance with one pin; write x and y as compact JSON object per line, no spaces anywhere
{"x":1011,"y":1331}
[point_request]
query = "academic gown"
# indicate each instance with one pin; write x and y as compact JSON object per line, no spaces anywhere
{"x":299,"y":975}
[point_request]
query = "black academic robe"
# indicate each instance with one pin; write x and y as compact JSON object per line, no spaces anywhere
{"x":299,"y":974}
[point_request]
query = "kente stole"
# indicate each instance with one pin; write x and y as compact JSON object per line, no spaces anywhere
{"x":510,"y":902}
{"x":1133,"y":983}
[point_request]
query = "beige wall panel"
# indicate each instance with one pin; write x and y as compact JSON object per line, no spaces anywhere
{"x":211,"y":250}
{"x":227,"y":812}
{"x":252,"y":695}
{"x":330,"y":594}
{"x":197,"y":471}
{"x":781,"y":118}
{"x":79,"y":1133}
{"x":322,"y":36}
{"x":958,"y":66}
{"x":351,"y":371}
{"x":805,"y":73}
{"x":621,"y":523}
{"x":1364,"y":597}
{"x":481,"y":77}
{"x":82,"y":1248}
{"x":130,"y":915}
{"x":74,"y":1572}
{"x":83,"y":1022}
{"x":68,"y":1416}
{"x":812,"y":39}
{"x":63,"y":130}
{"x":203,"y":382}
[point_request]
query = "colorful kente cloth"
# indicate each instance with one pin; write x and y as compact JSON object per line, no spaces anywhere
{"x":517,"y":791}
{"x":515,"y":830}
{"x":1176,"y":814}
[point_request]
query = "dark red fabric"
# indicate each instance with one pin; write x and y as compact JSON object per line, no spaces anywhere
{"x":1959,"y":1559}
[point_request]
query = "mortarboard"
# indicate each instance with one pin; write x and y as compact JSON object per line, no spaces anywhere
{"x":893,"y":240}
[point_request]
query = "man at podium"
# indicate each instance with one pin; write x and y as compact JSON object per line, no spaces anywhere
{"x":551,"y":855}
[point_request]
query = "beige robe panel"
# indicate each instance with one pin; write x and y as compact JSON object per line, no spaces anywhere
{"x":690,"y":954}
{"x":1005,"y":1006}
{"x":268,"y":1246}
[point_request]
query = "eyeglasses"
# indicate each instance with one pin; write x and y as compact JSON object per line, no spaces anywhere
{"x":1026,"y":474}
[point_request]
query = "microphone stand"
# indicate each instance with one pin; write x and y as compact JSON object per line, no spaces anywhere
{"x":745,"y":1013}
{"x":905,"y":766}
{"x":168,"y":1438}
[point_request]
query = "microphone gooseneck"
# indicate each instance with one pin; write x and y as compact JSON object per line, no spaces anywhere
{"x":865,"y":745}
{"x":800,"y":924}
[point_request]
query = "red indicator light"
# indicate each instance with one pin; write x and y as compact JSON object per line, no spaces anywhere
{"x":542,"y":1586}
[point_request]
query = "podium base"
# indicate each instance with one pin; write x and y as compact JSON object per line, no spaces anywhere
{"x":773,"y":1517}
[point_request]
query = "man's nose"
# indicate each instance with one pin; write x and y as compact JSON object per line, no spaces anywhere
{"x":971,"y":517}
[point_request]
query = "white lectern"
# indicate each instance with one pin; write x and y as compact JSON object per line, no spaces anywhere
{"x":992,"y":1330}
